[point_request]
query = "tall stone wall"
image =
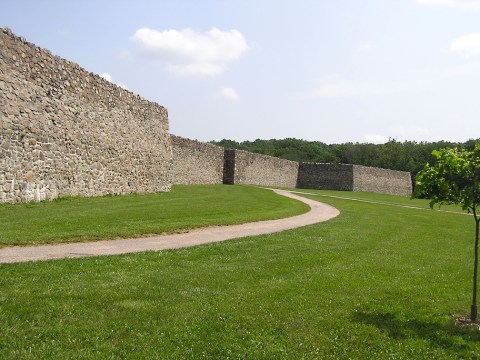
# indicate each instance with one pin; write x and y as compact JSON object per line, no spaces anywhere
{"x":243,"y":167}
{"x":381,"y":181}
{"x":325,"y":176}
{"x":195,"y":162}
{"x":67,"y":131}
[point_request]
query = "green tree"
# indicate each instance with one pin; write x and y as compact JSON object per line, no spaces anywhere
{"x":455,"y":179}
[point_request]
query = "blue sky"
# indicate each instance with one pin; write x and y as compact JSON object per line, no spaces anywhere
{"x":332,"y":71}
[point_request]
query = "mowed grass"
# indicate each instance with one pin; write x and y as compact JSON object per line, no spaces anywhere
{"x":377,"y":282}
{"x":74,"y":219}
{"x":390,"y":200}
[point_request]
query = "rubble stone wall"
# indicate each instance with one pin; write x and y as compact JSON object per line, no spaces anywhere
{"x":325,"y":176}
{"x":195,"y":162}
{"x":64,"y":130}
{"x":345,"y":177}
{"x":202,"y":163}
{"x":383,"y":181}
{"x":258,"y":169}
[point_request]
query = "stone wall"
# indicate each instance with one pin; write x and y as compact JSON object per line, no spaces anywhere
{"x":346,"y":177}
{"x":256,"y":169}
{"x":325,"y":176}
{"x":195,"y":162}
{"x":67,"y":131}
{"x":201,"y":163}
{"x":381,"y":181}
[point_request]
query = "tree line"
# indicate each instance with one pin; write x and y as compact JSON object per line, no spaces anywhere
{"x":408,"y":156}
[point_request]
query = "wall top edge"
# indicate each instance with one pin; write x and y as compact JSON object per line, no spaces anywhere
{"x":7,"y":32}
{"x":378,"y":168}
{"x":356,"y":166}
{"x":180,"y":139}
{"x":258,"y":154}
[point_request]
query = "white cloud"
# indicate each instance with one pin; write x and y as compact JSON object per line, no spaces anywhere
{"x":467,"y":45}
{"x":109,"y":78}
{"x":229,"y":93}
{"x":462,"y":5}
{"x":189,"y":52}
{"x":376,"y":138}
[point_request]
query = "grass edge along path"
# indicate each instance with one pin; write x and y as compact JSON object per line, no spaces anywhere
{"x":459,"y":211}
{"x":75,"y":219}
{"x":318,"y":213}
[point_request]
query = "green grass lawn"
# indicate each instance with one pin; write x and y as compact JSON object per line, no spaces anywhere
{"x":185,"y":207}
{"x":377,"y":282}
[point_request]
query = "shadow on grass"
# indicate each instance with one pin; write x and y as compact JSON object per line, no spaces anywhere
{"x":446,"y":335}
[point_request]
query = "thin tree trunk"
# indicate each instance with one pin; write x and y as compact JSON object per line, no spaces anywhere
{"x":473,"y":314}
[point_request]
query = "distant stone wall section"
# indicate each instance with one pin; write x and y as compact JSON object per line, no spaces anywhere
{"x":381,"y":181}
{"x":67,"y":131}
{"x":325,"y":176}
{"x":346,"y":177}
{"x":256,"y":169}
{"x":202,"y":163}
{"x":195,"y":162}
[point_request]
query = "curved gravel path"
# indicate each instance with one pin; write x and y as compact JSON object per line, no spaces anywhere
{"x":319,"y":212}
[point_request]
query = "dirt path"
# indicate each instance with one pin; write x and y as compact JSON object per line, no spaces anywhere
{"x":318,"y":212}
